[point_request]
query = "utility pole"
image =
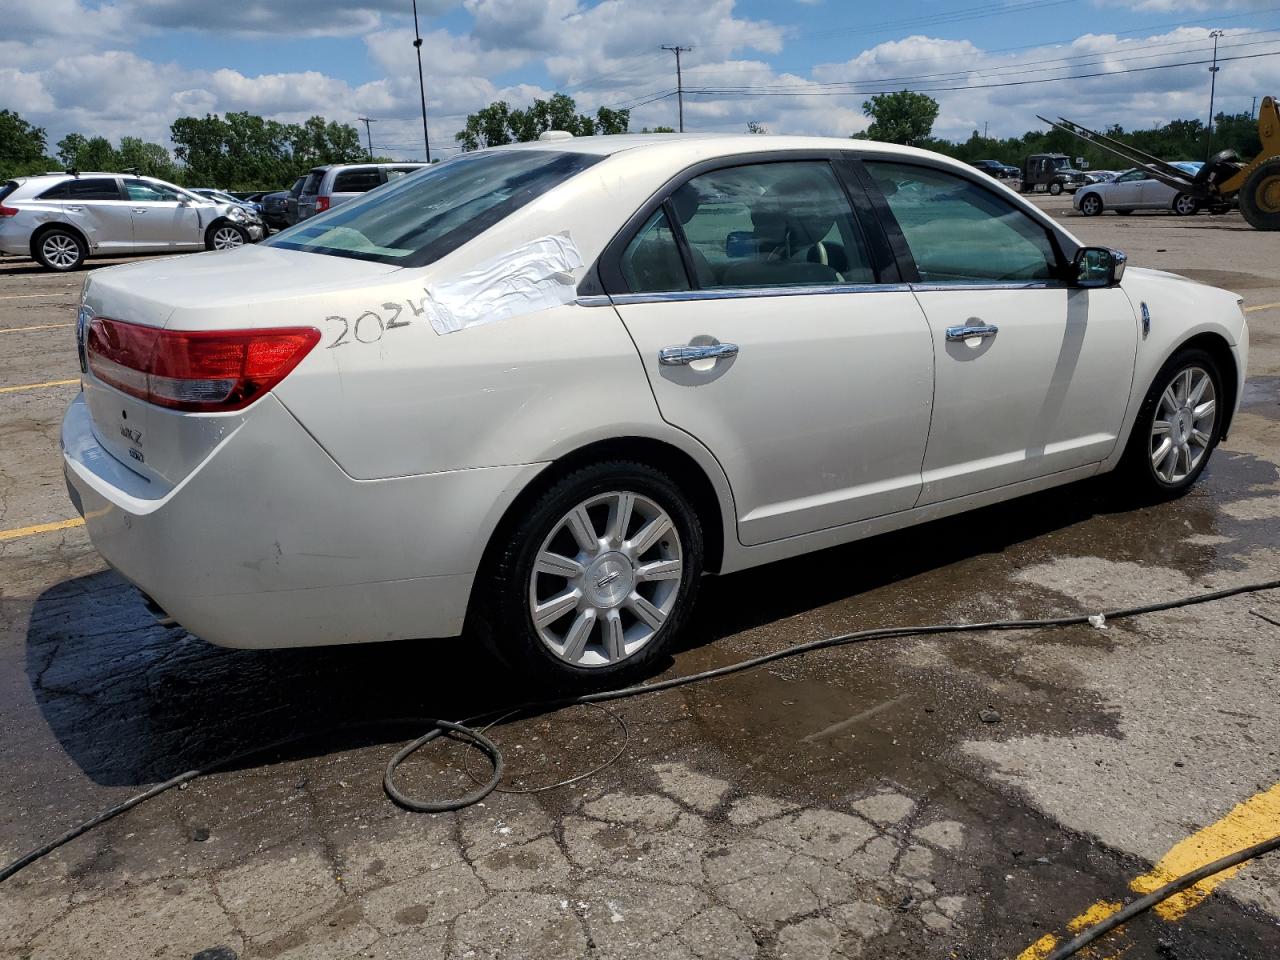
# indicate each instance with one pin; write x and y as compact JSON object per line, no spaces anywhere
{"x":1253,"y":110}
{"x":422,"y":86}
{"x":368,"y":133}
{"x":677,"y":50}
{"x":1213,"y":82}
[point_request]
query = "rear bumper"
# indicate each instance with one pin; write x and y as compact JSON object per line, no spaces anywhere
{"x":15,"y":237}
{"x":269,"y":544}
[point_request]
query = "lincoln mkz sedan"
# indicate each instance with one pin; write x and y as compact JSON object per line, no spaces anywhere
{"x":533,"y":394}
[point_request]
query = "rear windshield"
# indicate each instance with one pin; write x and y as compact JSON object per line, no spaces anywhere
{"x":420,"y":218}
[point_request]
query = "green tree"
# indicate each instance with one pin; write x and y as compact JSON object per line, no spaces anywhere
{"x":149,"y":159}
{"x":69,"y":148}
{"x":755,"y":126}
{"x":497,"y":123}
{"x":21,"y":146}
{"x":903,"y":117}
{"x":658,"y":130}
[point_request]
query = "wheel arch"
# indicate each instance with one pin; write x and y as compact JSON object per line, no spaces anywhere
{"x":38,"y":234}
{"x":1216,"y":345}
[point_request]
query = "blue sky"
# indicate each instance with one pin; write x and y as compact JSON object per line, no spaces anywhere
{"x":798,"y":66}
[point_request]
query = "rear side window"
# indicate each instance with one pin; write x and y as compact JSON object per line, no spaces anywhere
{"x":651,"y":263}
{"x":7,"y":188}
{"x":100,"y":188}
{"x":394,"y":173}
{"x":771,"y":224}
{"x":356,"y":181}
{"x":959,"y":231}
{"x":312,"y":184}
{"x":417,"y":220}
{"x":55,"y":193}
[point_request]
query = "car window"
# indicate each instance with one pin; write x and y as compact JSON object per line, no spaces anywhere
{"x":311,"y":186}
{"x":7,"y":188}
{"x":417,"y":220}
{"x":394,"y":173}
{"x":771,"y":224}
{"x":57,"y":192}
{"x":1131,"y":176}
{"x":297,"y":186}
{"x":92,"y":188}
{"x":143,"y":191}
{"x":651,"y":263}
{"x":356,"y":181}
{"x":958,"y":231}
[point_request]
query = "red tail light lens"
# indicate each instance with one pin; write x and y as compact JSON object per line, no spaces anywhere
{"x":8,"y":211}
{"x":322,"y":204}
{"x":195,"y":370}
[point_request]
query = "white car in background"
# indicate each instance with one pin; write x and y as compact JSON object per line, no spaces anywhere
{"x":534,"y":393}
{"x":1136,"y":190}
{"x":60,"y":219}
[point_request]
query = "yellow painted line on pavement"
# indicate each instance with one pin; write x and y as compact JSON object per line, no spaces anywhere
{"x":1247,"y":823}
{"x":39,"y":326}
{"x":40,"y":528}
{"x":32,"y":296}
{"x":37,"y":386}
{"x":1262,"y":306}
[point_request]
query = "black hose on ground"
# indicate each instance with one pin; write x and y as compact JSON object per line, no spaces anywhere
{"x":464,"y":732}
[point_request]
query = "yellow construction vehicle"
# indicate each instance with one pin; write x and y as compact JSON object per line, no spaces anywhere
{"x":1224,"y":178}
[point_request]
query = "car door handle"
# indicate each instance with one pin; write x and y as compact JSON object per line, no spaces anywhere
{"x":681,"y":356}
{"x":981,"y":330}
{"x":137,"y":209}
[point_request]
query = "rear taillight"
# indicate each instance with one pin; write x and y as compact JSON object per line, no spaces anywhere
{"x":322,"y":204}
{"x":8,"y":211}
{"x":195,"y":370}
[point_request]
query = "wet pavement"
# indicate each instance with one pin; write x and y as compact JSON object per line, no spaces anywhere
{"x":961,"y":796}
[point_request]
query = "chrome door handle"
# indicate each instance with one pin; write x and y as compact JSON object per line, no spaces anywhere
{"x":681,"y":356}
{"x":982,"y":331}
{"x":137,"y":209}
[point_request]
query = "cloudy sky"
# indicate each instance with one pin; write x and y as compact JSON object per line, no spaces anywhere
{"x":116,"y":67}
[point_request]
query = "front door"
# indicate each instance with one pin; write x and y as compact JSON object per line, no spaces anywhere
{"x":754,"y":306}
{"x":163,"y":218}
{"x":1032,"y":375}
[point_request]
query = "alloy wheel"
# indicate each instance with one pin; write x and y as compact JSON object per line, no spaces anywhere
{"x":1184,"y":424}
{"x":606,"y":579}
{"x":60,"y":250}
{"x":1090,"y":205}
{"x":227,"y":238}
{"x":1184,"y":206}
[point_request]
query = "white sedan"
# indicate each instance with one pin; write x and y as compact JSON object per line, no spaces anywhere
{"x":533,"y":394}
{"x":1136,"y":190}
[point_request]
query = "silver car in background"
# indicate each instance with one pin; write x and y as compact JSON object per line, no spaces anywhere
{"x":326,"y":187}
{"x":60,"y":219}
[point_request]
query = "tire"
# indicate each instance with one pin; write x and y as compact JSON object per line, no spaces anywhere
{"x":1185,"y":205}
{"x":1260,"y":196}
{"x":1091,"y":205}
{"x":221,"y":236}
{"x":1125,"y":212}
{"x":1150,"y":478}
{"x":1055,"y":189}
{"x":59,"y":249}
{"x":605,"y":636}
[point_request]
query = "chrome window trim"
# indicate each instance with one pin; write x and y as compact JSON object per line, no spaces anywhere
{"x":751,"y":293}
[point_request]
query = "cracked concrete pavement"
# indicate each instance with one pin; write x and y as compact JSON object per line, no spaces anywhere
{"x":847,"y":804}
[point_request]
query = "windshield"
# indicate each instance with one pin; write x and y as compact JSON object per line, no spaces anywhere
{"x":421,"y":217}
{"x":1061,"y":163}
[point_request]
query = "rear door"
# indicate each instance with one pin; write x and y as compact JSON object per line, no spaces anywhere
{"x":1032,"y":375}
{"x":770,"y":332}
{"x":97,"y":206}
{"x":163,"y":217}
{"x":310,"y":190}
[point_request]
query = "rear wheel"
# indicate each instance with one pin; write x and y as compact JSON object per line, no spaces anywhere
{"x":1260,"y":196}
{"x":59,"y":249}
{"x":225,"y":236}
{"x":1091,"y":205}
{"x":1185,"y":205}
{"x":596,"y":578}
{"x":1177,"y":428}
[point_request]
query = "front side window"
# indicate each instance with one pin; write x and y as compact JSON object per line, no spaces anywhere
{"x":958,"y":231}
{"x":771,"y":224}
{"x":144,"y":191}
{"x":417,"y":220}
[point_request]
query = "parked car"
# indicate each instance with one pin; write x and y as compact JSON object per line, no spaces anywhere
{"x":326,"y":187}
{"x":59,"y":219}
{"x":277,"y":207}
{"x":1051,"y":172}
{"x":533,"y":394}
{"x":1137,"y":190}
{"x":994,"y":168}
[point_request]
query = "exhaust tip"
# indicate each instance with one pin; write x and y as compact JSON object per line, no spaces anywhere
{"x":157,"y":611}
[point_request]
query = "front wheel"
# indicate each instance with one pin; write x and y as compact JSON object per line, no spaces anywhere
{"x":595,"y":580}
{"x":1185,"y":206}
{"x":225,"y":236}
{"x":1055,"y":188}
{"x":1177,"y":428}
{"x":1091,"y":205}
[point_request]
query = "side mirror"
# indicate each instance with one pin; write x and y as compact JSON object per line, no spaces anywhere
{"x":1098,"y":267}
